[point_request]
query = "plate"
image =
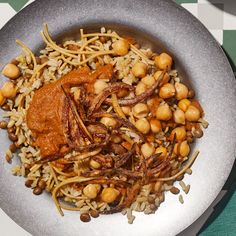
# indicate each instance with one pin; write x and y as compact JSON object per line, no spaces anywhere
{"x":162,"y":25}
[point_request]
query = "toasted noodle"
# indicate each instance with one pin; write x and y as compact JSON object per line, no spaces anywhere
{"x":108,"y":149}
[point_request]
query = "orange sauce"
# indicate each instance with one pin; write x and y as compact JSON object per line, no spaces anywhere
{"x":45,"y":114}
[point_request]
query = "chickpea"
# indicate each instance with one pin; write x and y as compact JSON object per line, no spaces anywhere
{"x":140,"y":88}
{"x":161,"y":150}
{"x":163,"y":61}
{"x":139,"y":69}
{"x":165,"y":79}
{"x":180,"y":133}
{"x":148,"y":80}
{"x":153,"y":103}
{"x":91,"y":190}
{"x":167,"y":91}
{"x":126,"y":110}
{"x":108,"y":122}
{"x":181,"y":91}
{"x":8,"y":90}
{"x":179,"y":117}
{"x":109,"y":195}
{"x":183,"y":104}
{"x":147,"y":149}
{"x":140,"y":110}
{"x":143,"y":125}
{"x":155,"y":125}
{"x":184,"y":149}
{"x":99,"y":86}
{"x":192,"y":113}
{"x":94,"y":164}
{"x":163,"y":112}
{"x":121,"y":47}
{"x":2,"y":98}
{"x":11,"y":71}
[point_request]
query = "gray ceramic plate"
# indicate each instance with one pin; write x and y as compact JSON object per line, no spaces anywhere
{"x":201,"y":62}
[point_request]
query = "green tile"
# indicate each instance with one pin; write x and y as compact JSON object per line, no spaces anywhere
{"x":186,"y":1}
{"x":223,"y":220}
{"x":229,"y":46}
{"x":15,"y":4}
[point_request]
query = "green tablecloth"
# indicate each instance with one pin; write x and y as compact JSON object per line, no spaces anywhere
{"x":220,"y":18}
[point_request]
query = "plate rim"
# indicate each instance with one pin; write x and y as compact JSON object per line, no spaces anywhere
{"x":31,"y":5}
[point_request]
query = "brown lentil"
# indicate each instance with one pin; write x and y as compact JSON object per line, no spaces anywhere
{"x":179,"y":178}
{"x":73,"y":47}
{"x":11,"y":129}
{"x":189,"y":139}
{"x":137,"y":45}
{"x":12,"y":137}
{"x":17,"y":145}
{"x":153,"y":207}
{"x":85,"y":217}
{"x":174,"y":190}
{"x":31,"y":66}
{"x":8,"y":158}
{"x":5,"y":107}
{"x":15,"y":62}
{"x":28,"y":183}
{"x":161,"y":197}
{"x":27,"y":75}
{"x":94,"y":213}
{"x":3,"y":124}
{"x":103,"y":39}
{"x":42,"y":184}
{"x":38,"y":60}
{"x":13,"y":147}
{"x":191,"y":93}
{"x":151,"y":199}
{"x":37,"y":190}
{"x":27,"y":166}
{"x":198,"y":133}
{"x":43,"y":60}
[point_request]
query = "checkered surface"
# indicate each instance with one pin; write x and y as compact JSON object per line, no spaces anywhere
{"x":219,"y":16}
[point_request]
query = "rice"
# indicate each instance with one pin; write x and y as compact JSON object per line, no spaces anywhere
{"x":181,"y":200}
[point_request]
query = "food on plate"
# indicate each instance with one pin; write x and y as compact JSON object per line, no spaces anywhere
{"x":100,"y":123}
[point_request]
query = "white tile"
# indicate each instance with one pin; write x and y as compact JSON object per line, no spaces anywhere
{"x":230,"y":15}
{"x":7,"y":12}
{"x":218,"y":35}
{"x":229,"y":21}
{"x":191,"y":7}
{"x":211,"y":16}
{"x":211,"y":1}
